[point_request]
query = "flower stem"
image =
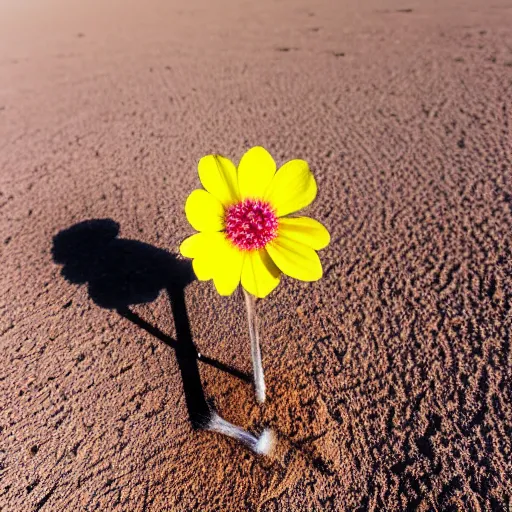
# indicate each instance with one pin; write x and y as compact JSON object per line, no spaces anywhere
{"x":262,"y":445}
{"x":259,"y":379}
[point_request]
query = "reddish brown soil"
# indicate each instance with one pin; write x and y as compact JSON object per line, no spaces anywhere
{"x":388,"y":381}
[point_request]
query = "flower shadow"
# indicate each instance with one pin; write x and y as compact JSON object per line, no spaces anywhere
{"x":120,"y":273}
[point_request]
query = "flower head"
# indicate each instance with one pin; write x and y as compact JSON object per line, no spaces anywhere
{"x":245,"y":233}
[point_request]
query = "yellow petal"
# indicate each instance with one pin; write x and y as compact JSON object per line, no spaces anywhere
{"x":295,"y":259}
{"x":255,"y":172}
{"x":203,"y":247}
{"x":304,"y":230}
{"x":292,"y":188}
{"x":228,"y":268}
{"x":259,"y":273}
{"x":204,"y":268}
{"x":218,"y":176}
{"x":196,"y":244}
{"x":204,"y":212}
{"x":214,"y":258}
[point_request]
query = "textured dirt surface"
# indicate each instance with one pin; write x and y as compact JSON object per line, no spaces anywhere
{"x":388,"y":381}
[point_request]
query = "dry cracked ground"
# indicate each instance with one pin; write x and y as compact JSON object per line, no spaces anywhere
{"x":389,"y":380}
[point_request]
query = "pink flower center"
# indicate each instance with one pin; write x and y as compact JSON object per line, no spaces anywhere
{"x":250,"y":224}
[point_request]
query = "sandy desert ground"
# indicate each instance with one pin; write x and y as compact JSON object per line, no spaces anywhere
{"x":389,"y":380}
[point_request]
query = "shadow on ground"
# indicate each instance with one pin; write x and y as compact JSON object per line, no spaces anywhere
{"x":120,"y":273}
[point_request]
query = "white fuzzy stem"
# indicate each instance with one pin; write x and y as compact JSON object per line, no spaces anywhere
{"x":259,"y":379}
{"x":262,"y":445}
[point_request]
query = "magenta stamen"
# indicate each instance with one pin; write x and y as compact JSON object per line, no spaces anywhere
{"x":250,"y":224}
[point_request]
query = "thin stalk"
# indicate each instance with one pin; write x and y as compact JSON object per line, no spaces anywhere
{"x":259,"y":379}
{"x":262,"y":445}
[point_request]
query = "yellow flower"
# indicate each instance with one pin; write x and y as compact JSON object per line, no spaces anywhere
{"x":245,"y":233}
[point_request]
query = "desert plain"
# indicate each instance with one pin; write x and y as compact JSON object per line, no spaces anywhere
{"x":389,"y":380}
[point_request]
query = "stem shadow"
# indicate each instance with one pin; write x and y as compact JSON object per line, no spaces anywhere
{"x":120,"y":273}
